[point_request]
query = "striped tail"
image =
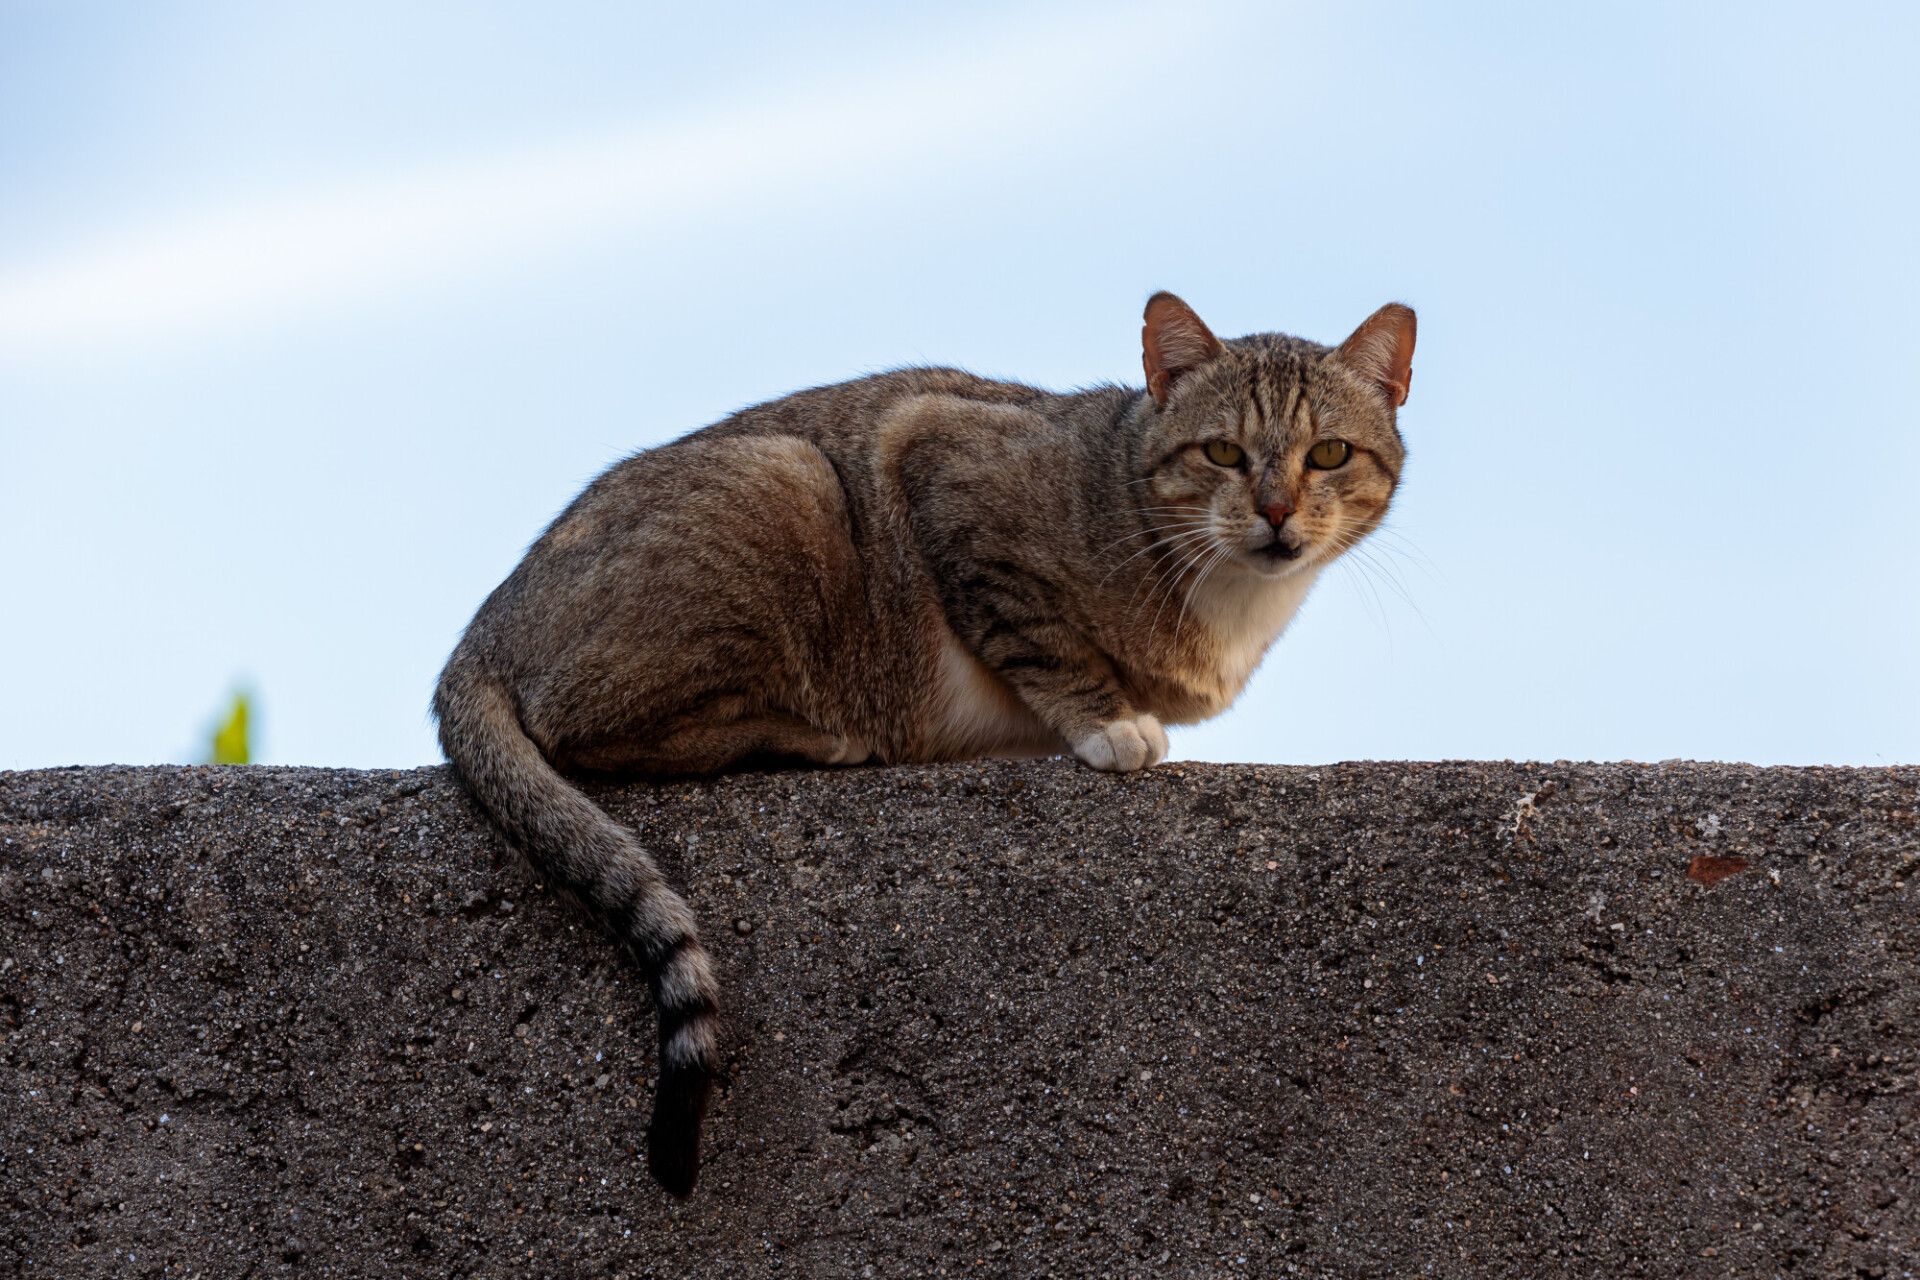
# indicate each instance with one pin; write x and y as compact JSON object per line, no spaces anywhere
{"x":567,"y":837}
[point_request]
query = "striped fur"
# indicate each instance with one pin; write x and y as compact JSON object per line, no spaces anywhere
{"x":917,"y":566}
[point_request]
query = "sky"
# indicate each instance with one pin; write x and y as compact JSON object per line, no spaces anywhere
{"x":313,"y":314}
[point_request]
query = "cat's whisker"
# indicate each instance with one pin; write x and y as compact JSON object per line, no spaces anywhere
{"x":1152,"y":577}
{"x":1370,"y":599}
{"x":1125,"y":537}
{"x":1370,"y":572}
{"x":1345,"y":538}
{"x":1166,"y":575}
{"x":1388,"y":532}
{"x":1366,"y":556}
{"x":1350,"y":538}
{"x":1399,"y":555}
{"x":1188,"y":562}
{"x":1170,"y":572}
{"x":1346,"y":534}
{"x":1219,"y":557}
{"x":1396,"y":543}
{"x":1170,"y":581}
{"x":1373,"y":576}
{"x":1196,"y":512}
{"x":1173,"y":539}
{"x":1178,"y":514}
{"x":1220,"y":554}
{"x":1371,"y":566}
{"x":1333,"y":548}
{"x":1368,"y":567}
{"x":1167,"y":543}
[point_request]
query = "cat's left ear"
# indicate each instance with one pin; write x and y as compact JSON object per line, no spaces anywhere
{"x":1381,"y":351}
{"x":1173,"y":341}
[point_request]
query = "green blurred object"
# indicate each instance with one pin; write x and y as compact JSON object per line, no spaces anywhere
{"x":230,"y":744}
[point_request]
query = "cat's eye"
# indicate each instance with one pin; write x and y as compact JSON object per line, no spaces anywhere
{"x":1224,"y":453}
{"x":1328,"y":454}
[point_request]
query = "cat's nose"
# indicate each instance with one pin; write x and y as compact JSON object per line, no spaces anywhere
{"x":1277,"y":512}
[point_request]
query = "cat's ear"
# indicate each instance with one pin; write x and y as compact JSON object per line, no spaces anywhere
{"x":1173,"y":341}
{"x":1381,"y":351}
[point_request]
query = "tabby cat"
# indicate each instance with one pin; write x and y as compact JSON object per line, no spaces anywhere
{"x":916,"y":566}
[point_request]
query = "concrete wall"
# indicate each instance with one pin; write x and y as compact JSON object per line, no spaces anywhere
{"x":1005,"y":1019}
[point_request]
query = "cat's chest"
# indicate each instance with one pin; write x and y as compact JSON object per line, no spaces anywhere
{"x":1243,"y":620}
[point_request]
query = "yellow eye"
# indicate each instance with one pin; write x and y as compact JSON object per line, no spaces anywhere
{"x":1224,"y":453}
{"x":1328,"y":454}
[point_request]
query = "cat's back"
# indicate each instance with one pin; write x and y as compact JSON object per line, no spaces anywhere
{"x":848,"y":440}
{"x":844,"y":421}
{"x":849,"y":413}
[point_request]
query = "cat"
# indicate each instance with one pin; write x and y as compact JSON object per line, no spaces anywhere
{"x":916,"y":566}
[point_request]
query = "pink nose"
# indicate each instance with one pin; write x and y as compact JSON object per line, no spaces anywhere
{"x":1276,"y":512}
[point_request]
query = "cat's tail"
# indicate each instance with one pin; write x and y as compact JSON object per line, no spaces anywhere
{"x":567,"y":837}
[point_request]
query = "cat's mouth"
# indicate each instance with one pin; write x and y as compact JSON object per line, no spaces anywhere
{"x":1278,"y":551}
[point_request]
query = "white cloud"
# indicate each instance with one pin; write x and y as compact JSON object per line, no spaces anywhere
{"x":1022,"y":88}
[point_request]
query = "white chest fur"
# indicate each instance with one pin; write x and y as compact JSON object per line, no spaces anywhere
{"x":975,"y":713}
{"x":1246,"y":615}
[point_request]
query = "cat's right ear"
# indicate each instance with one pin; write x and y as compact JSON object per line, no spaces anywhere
{"x":1173,"y":341}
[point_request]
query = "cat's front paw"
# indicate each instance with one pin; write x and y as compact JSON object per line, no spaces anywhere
{"x":848,"y":751}
{"x":1121,"y":746}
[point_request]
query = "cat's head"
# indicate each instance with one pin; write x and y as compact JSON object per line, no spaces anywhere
{"x":1269,"y":452}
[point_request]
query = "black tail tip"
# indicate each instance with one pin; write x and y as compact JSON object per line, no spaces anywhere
{"x":673,"y":1139}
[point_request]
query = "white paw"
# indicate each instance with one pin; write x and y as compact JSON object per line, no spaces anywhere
{"x":850,"y":751}
{"x":1121,"y":746}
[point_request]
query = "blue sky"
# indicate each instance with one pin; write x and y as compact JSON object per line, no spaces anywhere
{"x":311,"y":316}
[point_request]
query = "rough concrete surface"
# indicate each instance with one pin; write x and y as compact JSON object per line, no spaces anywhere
{"x":1006,"y":1019}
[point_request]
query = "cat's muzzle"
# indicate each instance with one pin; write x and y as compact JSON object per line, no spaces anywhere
{"x":1281,"y":548}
